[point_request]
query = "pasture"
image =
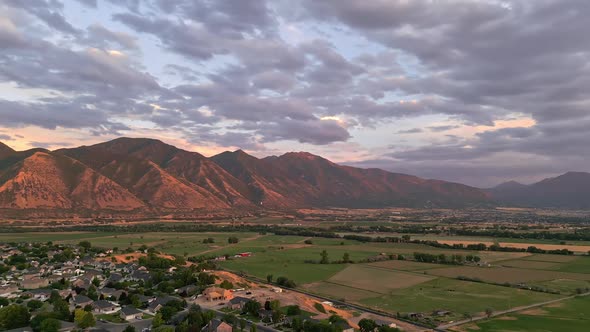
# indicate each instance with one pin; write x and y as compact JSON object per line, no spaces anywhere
{"x":571,"y":315}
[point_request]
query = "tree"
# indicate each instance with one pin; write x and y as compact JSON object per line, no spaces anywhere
{"x":95,"y":282}
{"x":14,"y":316}
{"x":129,"y":328}
{"x":252,"y":307}
{"x":233,"y":239}
{"x":253,"y":328}
{"x":367,"y":325}
{"x":34,"y":305}
{"x":226,"y":285}
{"x":324,"y":255}
{"x":293,"y":310}
{"x":84,"y":319}
{"x":50,"y":325}
{"x":489,"y":312}
{"x":346,"y":258}
{"x":242,"y":324}
{"x":85,"y":244}
{"x":62,"y":309}
{"x":157,"y":321}
{"x":269,"y":278}
{"x":92,"y":293}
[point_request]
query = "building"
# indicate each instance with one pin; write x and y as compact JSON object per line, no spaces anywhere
{"x":217,"y":325}
{"x":237,"y":303}
{"x":8,"y":291}
{"x":130,"y":313}
{"x":34,"y":283}
{"x":81,"y":301}
{"x":217,"y":294}
{"x":104,"y":307}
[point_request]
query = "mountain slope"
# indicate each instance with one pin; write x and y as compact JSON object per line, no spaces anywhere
{"x":303,"y":179}
{"x":136,"y":173}
{"x":569,"y":190}
{"x":41,"y":179}
{"x":144,"y":177}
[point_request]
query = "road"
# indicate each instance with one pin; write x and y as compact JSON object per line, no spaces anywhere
{"x":118,"y":327}
{"x":503,"y":312}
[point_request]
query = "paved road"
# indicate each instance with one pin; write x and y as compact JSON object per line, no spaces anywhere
{"x":503,"y":312}
{"x":118,"y":327}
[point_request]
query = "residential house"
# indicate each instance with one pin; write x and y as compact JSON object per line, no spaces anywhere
{"x":159,"y":302}
{"x":187,"y":290}
{"x":34,"y":283}
{"x":39,"y":294}
{"x":217,"y":294}
{"x":237,"y":303}
{"x":217,"y":325}
{"x":81,"y":301}
{"x":344,"y":326}
{"x":104,"y":307}
{"x":130,"y":313}
{"x":9,"y":291}
{"x":108,"y":293}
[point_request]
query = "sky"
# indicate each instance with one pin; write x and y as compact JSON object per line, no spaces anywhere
{"x":473,"y":91}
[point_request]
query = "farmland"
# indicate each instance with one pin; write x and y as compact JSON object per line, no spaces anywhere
{"x":380,"y":275}
{"x":571,"y":315}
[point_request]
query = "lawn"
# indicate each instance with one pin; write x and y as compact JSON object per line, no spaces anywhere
{"x":339,"y":292}
{"x":570,"y":315}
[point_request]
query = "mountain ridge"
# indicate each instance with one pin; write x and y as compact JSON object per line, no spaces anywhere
{"x":154,"y":176}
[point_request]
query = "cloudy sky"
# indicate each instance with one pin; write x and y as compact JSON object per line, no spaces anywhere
{"x":475,"y":91}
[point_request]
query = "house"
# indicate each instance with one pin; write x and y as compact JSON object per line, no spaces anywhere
{"x":39,"y":294}
{"x":217,"y":294}
{"x":237,"y":303}
{"x":217,"y":325}
{"x":8,"y":291}
{"x":104,"y":307}
{"x":130,"y":313}
{"x":277,"y":289}
{"x":187,"y":290}
{"x":159,"y":302}
{"x":107,"y":293}
{"x":81,"y":301}
{"x":34,"y":283}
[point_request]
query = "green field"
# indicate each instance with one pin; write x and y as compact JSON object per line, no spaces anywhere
{"x":570,"y":315}
{"x":394,"y":285}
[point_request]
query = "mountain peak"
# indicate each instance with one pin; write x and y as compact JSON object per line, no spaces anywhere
{"x":510,"y":185}
{"x":301,"y":155}
{"x":5,"y":150}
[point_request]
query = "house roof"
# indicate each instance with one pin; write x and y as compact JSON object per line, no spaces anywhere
{"x":102,"y":304}
{"x":214,"y":324}
{"x":130,"y":311}
{"x":82,"y":299}
{"x":238,"y":300}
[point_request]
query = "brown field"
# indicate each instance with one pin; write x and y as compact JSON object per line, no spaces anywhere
{"x":573,"y":248}
{"x":126,"y":258}
{"x":530,"y":264}
{"x":377,"y":279}
{"x":339,"y":291}
{"x":406,"y":265}
{"x":507,"y":274}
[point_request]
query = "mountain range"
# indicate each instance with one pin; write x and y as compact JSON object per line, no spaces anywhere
{"x":139,"y":174}
{"x":569,"y":191}
{"x":136,"y":175}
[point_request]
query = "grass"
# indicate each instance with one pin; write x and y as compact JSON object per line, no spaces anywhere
{"x":456,"y":296}
{"x":376,"y":279}
{"x":507,"y":274}
{"x":113,"y":318}
{"x":339,"y":292}
{"x":571,"y":315}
